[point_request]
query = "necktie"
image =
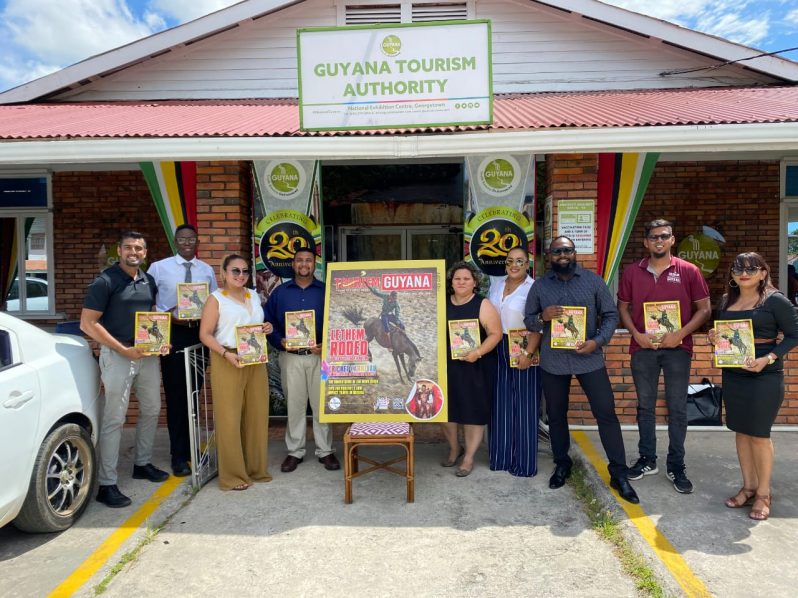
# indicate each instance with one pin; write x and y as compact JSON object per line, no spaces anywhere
{"x":187,"y":266}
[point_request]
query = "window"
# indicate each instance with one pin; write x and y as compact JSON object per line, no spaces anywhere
{"x":788,"y":242}
{"x":26,"y":227}
{"x":367,"y":12}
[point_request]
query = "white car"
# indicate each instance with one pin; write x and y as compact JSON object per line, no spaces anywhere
{"x":36,"y":297}
{"x":49,"y":421}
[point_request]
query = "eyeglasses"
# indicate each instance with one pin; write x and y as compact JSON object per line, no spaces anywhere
{"x":186,"y":240}
{"x":515,"y":262}
{"x":562,"y":251}
{"x":660,"y":237}
{"x":239,"y":271}
{"x":749,"y":271}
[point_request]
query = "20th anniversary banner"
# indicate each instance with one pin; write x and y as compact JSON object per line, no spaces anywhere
{"x":384,"y":353}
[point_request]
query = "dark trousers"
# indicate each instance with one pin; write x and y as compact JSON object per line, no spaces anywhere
{"x":675,"y":366}
{"x":173,"y":373}
{"x":596,"y":385}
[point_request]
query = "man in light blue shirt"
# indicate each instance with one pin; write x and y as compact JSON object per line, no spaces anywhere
{"x":183,"y":267}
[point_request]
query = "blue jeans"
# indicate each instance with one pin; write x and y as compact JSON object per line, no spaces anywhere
{"x":675,"y":365}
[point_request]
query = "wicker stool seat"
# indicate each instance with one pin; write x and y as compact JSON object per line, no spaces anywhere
{"x":377,"y":434}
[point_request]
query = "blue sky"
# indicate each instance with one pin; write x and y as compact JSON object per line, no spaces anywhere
{"x":38,"y":37}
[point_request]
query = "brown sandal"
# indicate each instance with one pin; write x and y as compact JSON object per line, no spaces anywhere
{"x":763,"y":513}
{"x":241,"y":486}
{"x":743,"y":498}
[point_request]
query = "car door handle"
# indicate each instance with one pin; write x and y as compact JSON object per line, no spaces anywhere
{"x":18,"y":399}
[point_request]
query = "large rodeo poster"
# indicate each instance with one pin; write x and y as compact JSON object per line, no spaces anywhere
{"x":384,"y":353}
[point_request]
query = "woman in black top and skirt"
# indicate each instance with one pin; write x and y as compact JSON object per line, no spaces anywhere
{"x":470,"y":379}
{"x":753,"y":394}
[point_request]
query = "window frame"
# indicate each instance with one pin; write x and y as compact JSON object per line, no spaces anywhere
{"x":19,"y":215}
{"x":406,"y":8}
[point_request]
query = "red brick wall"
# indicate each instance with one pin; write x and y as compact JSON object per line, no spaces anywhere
{"x":740,"y":199}
{"x":90,"y":209}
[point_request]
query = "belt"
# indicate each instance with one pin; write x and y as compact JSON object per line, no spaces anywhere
{"x":299,"y":351}
{"x":186,"y":323}
{"x":762,"y":341}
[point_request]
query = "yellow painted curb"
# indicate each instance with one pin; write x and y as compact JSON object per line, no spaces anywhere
{"x":106,"y":550}
{"x":670,"y":557}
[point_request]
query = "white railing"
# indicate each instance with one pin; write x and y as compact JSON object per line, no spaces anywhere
{"x":204,"y":464}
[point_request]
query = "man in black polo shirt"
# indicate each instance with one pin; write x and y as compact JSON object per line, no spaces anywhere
{"x":108,"y":317}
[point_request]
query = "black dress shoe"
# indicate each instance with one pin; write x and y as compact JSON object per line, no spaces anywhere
{"x":625,"y":489}
{"x":180,"y":469}
{"x":330,"y":462}
{"x":149,"y":472}
{"x":557,"y":479}
{"x":112,"y":497}
{"x":290,"y":463}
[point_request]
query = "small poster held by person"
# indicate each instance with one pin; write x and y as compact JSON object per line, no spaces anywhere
{"x":463,"y":337}
{"x":661,"y":318}
{"x":569,"y":329}
{"x":734,"y":343}
{"x":191,"y":298}
{"x":152,"y":330}
{"x":517,"y":340}
{"x":300,"y":329}
{"x":251,"y":344}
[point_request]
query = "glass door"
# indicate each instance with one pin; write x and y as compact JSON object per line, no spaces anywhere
{"x":381,"y":243}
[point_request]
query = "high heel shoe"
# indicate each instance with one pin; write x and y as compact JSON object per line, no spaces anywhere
{"x":743,"y":498}
{"x":762,"y":513}
{"x":449,"y":463}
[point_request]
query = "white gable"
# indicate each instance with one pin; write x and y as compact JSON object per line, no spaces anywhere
{"x":536,"y":48}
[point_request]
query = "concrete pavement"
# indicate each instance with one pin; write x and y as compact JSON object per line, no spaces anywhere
{"x":485,"y":535}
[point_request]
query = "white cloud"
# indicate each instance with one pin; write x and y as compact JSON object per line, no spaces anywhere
{"x":65,"y":31}
{"x":736,"y":27}
{"x":792,"y":17}
{"x":186,"y":10}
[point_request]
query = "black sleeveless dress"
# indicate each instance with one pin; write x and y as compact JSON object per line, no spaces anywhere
{"x":470,"y":384}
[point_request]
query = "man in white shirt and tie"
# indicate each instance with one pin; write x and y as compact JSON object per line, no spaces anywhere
{"x":183,"y":267}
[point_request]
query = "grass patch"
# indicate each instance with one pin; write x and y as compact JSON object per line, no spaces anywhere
{"x":608,"y":528}
{"x":128,"y":557}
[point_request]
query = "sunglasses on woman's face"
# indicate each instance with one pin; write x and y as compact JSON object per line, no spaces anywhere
{"x":749,"y":271}
{"x":239,"y":271}
{"x":515,"y":262}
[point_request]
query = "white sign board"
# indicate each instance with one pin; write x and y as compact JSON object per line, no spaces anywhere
{"x":576,"y":220}
{"x":397,"y":76}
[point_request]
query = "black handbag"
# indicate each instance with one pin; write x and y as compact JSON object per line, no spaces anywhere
{"x":704,"y":404}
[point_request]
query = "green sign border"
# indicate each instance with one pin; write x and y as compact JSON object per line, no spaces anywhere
{"x":486,"y":22}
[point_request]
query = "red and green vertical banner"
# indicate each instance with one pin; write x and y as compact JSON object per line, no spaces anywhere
{"x":500,"y":211}
{"x":173,"y":186}
{"x":287,"y":216}
{"x":622,"y":183}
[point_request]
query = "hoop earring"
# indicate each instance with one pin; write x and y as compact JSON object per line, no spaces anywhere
{"x":732,"y":284}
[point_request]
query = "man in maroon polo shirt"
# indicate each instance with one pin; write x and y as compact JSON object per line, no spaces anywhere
{"x":662,"y":341}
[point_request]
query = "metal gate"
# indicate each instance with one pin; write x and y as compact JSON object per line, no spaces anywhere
{"x":204,"y":464}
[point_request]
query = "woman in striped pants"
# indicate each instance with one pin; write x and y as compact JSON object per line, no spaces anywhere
{"x":513,"y":430}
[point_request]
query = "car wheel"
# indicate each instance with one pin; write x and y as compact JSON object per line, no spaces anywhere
{"x":61,"y":483}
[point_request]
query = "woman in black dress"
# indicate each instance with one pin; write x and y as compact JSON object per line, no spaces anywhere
{"x":753,"y":394}
{"x":471,"y":378}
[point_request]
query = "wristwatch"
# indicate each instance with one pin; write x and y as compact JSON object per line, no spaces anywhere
{"x":541,"y":321}
{"x":771,"y":358}
{"x":526,"y":353}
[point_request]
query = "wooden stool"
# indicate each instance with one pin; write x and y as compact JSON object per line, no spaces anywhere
{"x":377,"y":434}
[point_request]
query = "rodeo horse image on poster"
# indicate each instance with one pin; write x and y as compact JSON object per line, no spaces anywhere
{"x":384,"y":329}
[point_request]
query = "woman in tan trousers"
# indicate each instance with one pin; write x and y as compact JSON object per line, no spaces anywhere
{"x":240,"y":393}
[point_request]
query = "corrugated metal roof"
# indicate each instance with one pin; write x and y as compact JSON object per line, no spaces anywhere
{"x":267,"y":118}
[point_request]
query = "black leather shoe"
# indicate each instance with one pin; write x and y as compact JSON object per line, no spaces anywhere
{"x":112,"y":497}
{"x":290,"y":463}
{"x":149,"y":472}
{"x":625,"y":489}
{"x":557,"y":479}
{"x":330,"y":462}
{"x":180,"y":469}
